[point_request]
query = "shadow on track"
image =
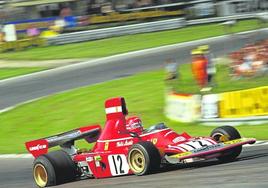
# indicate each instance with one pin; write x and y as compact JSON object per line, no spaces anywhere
{"x":212,"y":162}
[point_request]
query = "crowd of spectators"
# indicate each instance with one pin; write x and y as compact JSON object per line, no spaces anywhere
{"x":251,"y":60}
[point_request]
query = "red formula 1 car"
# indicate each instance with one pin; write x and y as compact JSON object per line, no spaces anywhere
{"x":124,"y":147}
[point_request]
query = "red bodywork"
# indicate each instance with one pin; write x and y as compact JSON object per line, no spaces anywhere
{"x":108,"y":157}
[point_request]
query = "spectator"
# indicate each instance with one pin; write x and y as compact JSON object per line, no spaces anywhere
{"x":66,"y":11}
{"x":211,"y":67}
{"x":33,"y":31}
{"x":171,"y":69}
{"x":199,"y":68}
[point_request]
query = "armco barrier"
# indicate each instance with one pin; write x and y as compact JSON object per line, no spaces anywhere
{"x":117,"y":31}
{"x":221,"y":19}
{"x":138,"y":28}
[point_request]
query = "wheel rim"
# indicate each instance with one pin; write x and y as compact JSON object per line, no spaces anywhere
{"x":136,"y":161}
{"x":40,"y":175}
{"x":219,"y":137}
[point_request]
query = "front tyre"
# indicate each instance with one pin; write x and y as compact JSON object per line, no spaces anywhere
{"x":224,"y":134}
{"x":54,"y":168}
{"x":143,"y":158}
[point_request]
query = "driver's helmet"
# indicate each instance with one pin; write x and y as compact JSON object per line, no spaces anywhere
{"x":134,"y":124}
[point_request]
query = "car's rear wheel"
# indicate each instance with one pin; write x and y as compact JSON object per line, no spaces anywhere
{"x":40,"y":175}
{"x":224,"y":134}
{"x":143,"y":158}
{"x":54,"y":168}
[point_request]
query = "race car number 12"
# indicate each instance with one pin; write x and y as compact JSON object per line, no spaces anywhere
{"x":118,"y":164}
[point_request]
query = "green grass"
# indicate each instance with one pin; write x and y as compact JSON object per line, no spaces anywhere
{"x":222,"y":81}
{"x":144,"y":95}
{"x":117,"y":45}
{"x":11,"y":72}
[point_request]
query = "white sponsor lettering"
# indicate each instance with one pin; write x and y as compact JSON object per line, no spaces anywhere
{"x":124,"y":143}
{"x":89,"y":159}
{"x":178,"y":139}
{"x":113,"y":109}
{"x":38,"y":147}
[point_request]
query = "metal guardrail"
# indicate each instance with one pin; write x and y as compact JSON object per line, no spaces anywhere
{"x":117,"y":31}
{"x":138,"y":28}
{"x":220,"y":19}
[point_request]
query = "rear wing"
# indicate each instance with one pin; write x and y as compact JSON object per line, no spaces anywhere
{"x":65,"y":140}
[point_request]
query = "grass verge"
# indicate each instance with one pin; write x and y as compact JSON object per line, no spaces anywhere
{"x":117,"y":45}
{"x":12,"y":72}
{"x":144,"y":94}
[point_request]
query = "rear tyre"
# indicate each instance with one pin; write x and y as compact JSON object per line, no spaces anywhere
{"x":143,"y":158}
{"x":223,"y":134}
{"x":54,"y":168}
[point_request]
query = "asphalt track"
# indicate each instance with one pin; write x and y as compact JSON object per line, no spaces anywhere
{"x":249,"y":171}
{"x":42,"y":84}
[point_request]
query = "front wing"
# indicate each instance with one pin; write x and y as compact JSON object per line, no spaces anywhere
{"x":209,"y":150}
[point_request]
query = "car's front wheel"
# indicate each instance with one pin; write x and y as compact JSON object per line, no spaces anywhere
{"x":143,"y":158}
{"x":224,"y":134}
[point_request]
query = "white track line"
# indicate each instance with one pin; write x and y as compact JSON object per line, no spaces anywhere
{"x":16,"y":156}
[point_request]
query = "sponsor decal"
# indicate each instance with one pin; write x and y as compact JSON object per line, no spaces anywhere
{"x":38,"y":147}
{"x":124,"y":143}
{"x":154,"y":140}
{"x":89,"y":159}
{"x":178,"y":139}
{"x":233,"y":141}
{"x":106,"y":146}
{"x":181,"y":154}
{"x":97,"y":158}
{"x":207,"y":148}
{"x":97,"y":163}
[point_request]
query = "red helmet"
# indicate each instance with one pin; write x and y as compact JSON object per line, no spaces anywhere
{"x":134,"y":124}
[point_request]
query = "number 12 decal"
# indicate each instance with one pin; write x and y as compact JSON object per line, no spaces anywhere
{"x":118,"y":164}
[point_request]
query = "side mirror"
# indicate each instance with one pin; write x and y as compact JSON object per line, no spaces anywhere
{"x":134,"y":135}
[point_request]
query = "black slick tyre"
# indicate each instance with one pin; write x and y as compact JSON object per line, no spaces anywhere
{"x":223,"y":134}
{"x":143,"y":158}
{"x":53,"y":169}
